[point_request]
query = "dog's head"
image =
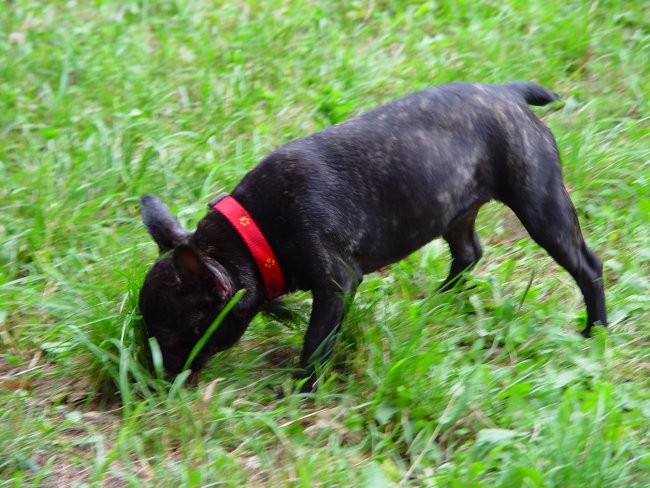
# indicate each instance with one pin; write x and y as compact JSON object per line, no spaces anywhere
{"x":183,"y":292}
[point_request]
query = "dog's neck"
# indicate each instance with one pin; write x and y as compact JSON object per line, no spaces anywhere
{"x":219,"y":242}
{"x":254,"y":239}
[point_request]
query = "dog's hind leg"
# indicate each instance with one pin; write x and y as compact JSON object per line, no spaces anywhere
{"x":550,"y":218}
{"x":464,"y":247}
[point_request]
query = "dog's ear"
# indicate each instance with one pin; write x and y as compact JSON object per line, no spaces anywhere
{"x":193,"y":271}
{"x":161,"y":224}
{"x":189,"y":266}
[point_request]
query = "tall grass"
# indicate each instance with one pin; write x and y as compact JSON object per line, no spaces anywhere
{"x":101,"y":102}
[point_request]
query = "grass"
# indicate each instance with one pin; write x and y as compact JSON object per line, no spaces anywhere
{"x":102,"y":101}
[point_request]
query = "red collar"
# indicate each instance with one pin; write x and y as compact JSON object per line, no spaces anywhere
{"x":257,"y":244}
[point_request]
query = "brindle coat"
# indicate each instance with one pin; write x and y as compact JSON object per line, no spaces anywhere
{"x":362,"y":194}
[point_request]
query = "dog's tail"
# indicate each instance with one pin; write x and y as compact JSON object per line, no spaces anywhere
{"x":533,"y":93}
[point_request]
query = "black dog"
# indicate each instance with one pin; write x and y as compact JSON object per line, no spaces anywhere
{"x":357,"y":196}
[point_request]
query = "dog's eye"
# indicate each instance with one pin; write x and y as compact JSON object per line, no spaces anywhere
{"x":196,"y":319}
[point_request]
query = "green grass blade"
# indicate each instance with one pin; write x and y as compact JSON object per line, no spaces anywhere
{"x":213,"y":327}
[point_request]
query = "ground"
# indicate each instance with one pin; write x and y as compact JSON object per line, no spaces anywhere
{"x":101,"y":102}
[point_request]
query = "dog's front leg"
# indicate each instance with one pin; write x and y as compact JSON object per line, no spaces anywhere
{"x":328,"y":308}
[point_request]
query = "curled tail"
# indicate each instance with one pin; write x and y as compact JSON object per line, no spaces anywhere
{"x":533,"y":93}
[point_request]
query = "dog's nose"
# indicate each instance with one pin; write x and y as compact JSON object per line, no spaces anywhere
{"x":173,"y":363}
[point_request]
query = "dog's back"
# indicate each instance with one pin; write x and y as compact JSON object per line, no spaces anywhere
{"x":384,"y":183}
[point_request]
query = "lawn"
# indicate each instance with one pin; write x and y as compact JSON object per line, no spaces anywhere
{"x":490,"y":386}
